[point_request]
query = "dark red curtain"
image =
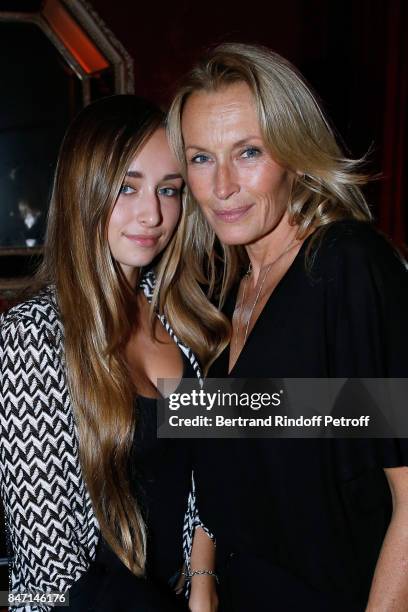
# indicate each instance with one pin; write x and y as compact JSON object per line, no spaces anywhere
{"x":392,"y":213}
{"x":354,"y":52}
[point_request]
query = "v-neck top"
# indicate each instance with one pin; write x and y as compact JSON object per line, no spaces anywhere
{"x":316,"y":508}
{"x":344,"y":317}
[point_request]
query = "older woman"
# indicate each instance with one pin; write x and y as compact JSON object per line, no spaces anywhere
{"x":312,"y":291}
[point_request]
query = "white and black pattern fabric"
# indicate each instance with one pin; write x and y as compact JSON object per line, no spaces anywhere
{"x":148,"y":283}
{"x":191,"y":522}
{"x":50,"y":523}
{"x":192,"y":519}
{"x":51,"y":526}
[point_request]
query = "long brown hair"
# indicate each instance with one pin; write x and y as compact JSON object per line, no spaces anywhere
{"x":299,"y":136}
{"x":99,"y":309}
{"x":97,"y":306}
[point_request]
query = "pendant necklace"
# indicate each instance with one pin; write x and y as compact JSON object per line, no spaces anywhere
{"x":258,"y":294}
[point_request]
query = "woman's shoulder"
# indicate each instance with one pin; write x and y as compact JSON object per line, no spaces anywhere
{"x":37,"y":314}
{"x":357,"y":244}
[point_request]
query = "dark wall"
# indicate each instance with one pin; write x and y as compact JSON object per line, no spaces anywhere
{"x":354,"y":52}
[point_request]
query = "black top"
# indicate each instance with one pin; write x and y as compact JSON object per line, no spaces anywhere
{"x":160,"y":473}
{"x":315,"y":509}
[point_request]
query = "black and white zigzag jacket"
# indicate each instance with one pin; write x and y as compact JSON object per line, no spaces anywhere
{"x":52,"y":529}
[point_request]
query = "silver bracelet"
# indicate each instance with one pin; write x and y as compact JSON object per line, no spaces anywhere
{"x":202,"y":572}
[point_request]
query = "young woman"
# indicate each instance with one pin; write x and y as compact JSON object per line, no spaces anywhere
{"x":314,"y":292}
{"x":94,"y":503}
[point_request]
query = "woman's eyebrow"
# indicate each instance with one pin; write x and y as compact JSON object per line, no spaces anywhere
{"x":167,"y":177}
{"x":245,"y":140}
{"x":239,"y":143}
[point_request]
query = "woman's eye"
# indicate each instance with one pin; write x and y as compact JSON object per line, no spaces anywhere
{"x":169,"y":192}
{"x":250,"y":153}
{"x":127,"y":189}
{"x":199,"y":159}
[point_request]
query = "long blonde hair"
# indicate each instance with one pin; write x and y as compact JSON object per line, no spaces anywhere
{"x":99,"y":309}
{"x":295,"y":129}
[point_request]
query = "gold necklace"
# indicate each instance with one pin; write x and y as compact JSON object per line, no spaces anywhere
{"x":247,"y":275}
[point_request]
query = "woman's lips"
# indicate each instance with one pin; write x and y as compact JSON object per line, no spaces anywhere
{"x":143,"y":241}
{"x":231,"y":215}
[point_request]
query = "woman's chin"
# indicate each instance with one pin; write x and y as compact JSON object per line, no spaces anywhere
{"x":234,"y":237}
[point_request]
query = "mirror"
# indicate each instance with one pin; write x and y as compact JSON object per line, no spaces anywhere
{"x":55,"y":58}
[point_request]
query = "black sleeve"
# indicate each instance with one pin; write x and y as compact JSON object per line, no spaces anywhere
{"x":367,"y":323}
{"x":368,"y":306}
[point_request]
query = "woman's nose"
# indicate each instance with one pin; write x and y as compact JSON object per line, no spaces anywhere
{"x":225,"y":182}
{"x":149,"y":210}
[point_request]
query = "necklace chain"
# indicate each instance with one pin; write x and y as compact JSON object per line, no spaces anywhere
{"x":258,"y":294}
{"x":247,"y":277}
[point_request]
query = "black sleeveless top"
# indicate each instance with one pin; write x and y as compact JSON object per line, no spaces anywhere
{"x":160,"y":471}
{"x":161,"y":475}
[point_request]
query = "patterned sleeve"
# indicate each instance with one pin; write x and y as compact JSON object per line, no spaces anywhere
{"x":52,"y":530}
{"x":191,"y":522}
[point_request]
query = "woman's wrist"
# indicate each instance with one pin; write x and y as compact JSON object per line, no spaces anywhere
{"x":203,"y":594}
{"x":190,"y":574}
